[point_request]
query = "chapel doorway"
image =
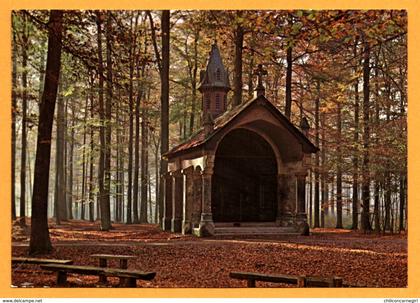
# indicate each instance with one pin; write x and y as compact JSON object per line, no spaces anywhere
{"x":244,"y":185}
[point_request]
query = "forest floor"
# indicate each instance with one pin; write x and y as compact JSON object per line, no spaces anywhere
{"x":365,"y":260}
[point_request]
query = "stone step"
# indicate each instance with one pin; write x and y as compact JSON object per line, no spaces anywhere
{"x":254,"y":231}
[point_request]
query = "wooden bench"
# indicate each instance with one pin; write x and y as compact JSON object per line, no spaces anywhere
{"x":103,"y":262}
{"x":300,"y":281}
{"x":127,"y":278}
{"x":23,"y":260}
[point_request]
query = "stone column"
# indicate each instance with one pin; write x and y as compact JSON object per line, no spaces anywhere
{"x":177,"y":187}
{"x":206,"y":226}
{"x":167,"y":203}
{"x":188,"y":196}
{"x":286,"y":200}
{"x":301,"y":196}
{"x":197,"y":198}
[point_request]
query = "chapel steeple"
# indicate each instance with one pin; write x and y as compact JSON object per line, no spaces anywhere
{"x":214,"y":85}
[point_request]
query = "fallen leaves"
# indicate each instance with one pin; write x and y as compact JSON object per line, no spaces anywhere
{"x":186,"y":261}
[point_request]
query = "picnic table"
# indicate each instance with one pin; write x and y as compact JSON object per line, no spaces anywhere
{"x":103,"y":262}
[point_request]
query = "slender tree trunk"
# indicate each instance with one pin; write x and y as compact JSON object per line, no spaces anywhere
{"x":194,"y":82}
{"x":84,"y":164}
{"x":60,"y":190}
{"x":339,"y":170}
{"x":378,"y":175}
{"x":144,"y":161}
{"x":164,"y":120}
{"x":288,"y":104}
{"x":157,"y":183}
{"x":118,"y":186}
{"x":403,"y":174}
{"x":355,"y":185}
{"x":137,"y":155}
{"x":40,"y":242}
{"x":365,"y":218}
{"x":91,"y":158}
{"x":25,"y":44}
{"x":106,"y":198}
{"x":316,"y":200}
{"x":102,"y":132}
{"x":237,"y":83}
{"x":310,"y":197}
{"x":130,"y":143}
{"x":69,"y":190}
{"x":251,"y":67}
{"x":323,"y":170}
{"x":14,"y":109}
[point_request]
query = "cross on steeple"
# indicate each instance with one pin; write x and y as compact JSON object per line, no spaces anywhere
{"x":260,"y":72}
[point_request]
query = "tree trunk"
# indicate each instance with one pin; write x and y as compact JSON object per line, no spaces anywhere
{"x":323,"y":170}
{"x":69,"y":189}
{"x":25,"y":44}
{"x":102,"y":131}
{"x":14,"y":109}
{"x":288,"y":103}
{"x":60,"y":191}
{"x":403,"y":174}
{"x":365,"y":218}
{"x":106,"y":200}
{"x":237,"y":83}
{"x":355,"y":185}
{"x":251,"y":67}
{"x":137,"y":148}
{"x":91,"y":150}
{"x":194,"y":83}
{"x":157,"y":183}
{"x":82,"y":215}
{"x":131,"y":126}
{"x":378,"y":175}
{"x":40,"y":239}
{"x":144,"y":161}
{"x":164,"y":120}
{"x":316,"y":200}
{"x":339,"y":170}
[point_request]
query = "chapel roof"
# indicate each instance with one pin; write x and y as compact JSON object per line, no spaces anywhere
{"x":199,"y":138}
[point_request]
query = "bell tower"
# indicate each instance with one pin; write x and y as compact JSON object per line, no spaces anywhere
{"x":214,"y":86}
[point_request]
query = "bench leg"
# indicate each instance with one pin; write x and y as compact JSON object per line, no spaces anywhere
{"x":123,"y":264}
{"x":301,"y":281}
{"x":131,"y":282}
{"x":128,"y":282}
{"x":61,"y":278}
{"x":102,"y":278}
{"x":123,"y":282}
{"x":251,"y":283}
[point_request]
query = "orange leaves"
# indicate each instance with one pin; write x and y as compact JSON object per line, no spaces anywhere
{"x":184,"y":261}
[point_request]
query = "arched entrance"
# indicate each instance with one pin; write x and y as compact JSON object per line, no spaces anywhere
{"x":244,"y":183}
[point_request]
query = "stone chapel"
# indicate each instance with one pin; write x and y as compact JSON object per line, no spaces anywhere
{"x":244,"y":171}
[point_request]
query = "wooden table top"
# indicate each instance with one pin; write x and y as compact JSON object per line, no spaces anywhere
{"x":105,"y":256}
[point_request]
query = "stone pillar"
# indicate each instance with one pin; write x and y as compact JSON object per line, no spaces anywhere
{"x":188,"y":196}
{"x":167,"y":203}
{"x":286,"y":200}
{"x":177,"y":186}
{"x":206,"y":227}
{"x":301,"y":197}
{"x":197,"y":198}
